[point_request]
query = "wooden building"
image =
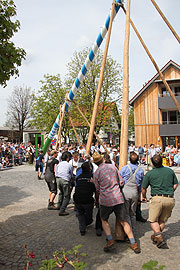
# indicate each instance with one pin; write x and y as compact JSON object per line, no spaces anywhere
{"x":156,"y":117}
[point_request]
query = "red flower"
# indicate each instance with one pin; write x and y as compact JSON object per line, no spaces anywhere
{"x":31,"y":254}
{"x":30,"y":264}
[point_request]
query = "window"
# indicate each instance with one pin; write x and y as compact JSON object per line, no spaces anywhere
{"x":164,"y":91}
{"x":164,"y":118}
{"x":178,"y":118}
{"x":172,"y":117}
{"x":177,"y":90}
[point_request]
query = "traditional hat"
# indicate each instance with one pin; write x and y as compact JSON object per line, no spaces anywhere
{"x":97,"y":157}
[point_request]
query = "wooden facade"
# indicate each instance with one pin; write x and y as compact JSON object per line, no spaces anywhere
{"x":147,"y":113}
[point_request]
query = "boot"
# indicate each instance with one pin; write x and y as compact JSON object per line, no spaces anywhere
{"x":135,"y":248}
{"x":153,"y":238}
{"x":51,"y":206}
{"x":159,"y":241}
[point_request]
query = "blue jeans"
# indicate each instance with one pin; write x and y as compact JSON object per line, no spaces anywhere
{"x":64,"y":193}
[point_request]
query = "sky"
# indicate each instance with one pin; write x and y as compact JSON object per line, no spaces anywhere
{"x":51,"y":31}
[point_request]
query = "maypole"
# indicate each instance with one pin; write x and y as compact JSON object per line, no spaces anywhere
{"x":82,"y":74}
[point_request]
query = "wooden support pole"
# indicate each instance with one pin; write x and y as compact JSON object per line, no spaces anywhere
{"x":61,"y":120}
{"x":146,"y":136}
{"x":77,"y":137}
{"x":125,"y":100}
{"x":155,"y":65}
{"x":59,"y":131}
{"x":97,"y":137}
{"x":166,"y":21}
{"x":93,"y":119}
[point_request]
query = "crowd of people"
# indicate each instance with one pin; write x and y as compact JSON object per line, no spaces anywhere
{"x":171,"y":155}
{"x":94,"y":180}
{"x":12,"y":154}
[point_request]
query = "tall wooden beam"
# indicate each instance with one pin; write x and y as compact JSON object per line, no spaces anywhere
{"x":61,"y":121}
{"x":77,"y":137}
{"x":97,"y":137}
{"x":166,"y":20}
{"x":125,"y":104}
{"x":155,"y":65}
{"x":93,"y":119}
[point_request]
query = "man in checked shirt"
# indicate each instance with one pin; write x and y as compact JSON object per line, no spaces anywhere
{"x":109,"y":196}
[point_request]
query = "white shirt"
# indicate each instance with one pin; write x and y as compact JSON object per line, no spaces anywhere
{"x":74,"y":164}
{"x":64,"y":170}
{"x":59,"y":156}
{"x":151,"y":152}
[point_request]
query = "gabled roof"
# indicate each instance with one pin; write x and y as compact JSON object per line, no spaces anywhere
{"x":151,"y":81}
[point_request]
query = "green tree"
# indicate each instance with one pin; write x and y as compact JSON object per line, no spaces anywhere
{"x":11,"y":56}
{"x":18,"y":112}
{"x":45,"y":107}
{"x":111,"y":87}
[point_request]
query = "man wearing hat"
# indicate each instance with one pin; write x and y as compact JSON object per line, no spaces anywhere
{"x":110,"y":198}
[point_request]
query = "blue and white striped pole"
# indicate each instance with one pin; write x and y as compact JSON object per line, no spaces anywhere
{"x":81,"y":75}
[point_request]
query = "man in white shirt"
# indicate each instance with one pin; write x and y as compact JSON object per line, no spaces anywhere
{"x":131,"y":148}
{"x":64,"y":174}
{"x":74,"y":162}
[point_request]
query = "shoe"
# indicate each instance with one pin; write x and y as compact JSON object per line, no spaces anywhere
{"x":39,"y":178}
{"x":109,"y":245}
{"x":63,"y":213}
{"x":135,"y":248}
{"x":82,"y":233}
{"x":159,"y":241}
{"x":51,"y":206}
{"x":153,"y":238}
{"x":141,"y":219}
{"x":98,"y":232}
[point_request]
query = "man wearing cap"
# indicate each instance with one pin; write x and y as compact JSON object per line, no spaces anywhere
{"x":163,"y":183}
{"x":50,"y":179}
{"x":107,"y":182}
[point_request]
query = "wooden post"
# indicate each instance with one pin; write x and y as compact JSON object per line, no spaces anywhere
{"x":166,"y":21}
{"x":146,"y":135}
{"x":155,"y":65}
{"x":99,"y":140}
{"x":59,"y":131}
{"x":61,"y":120}
{"x":125,"y":104}
{"x":93,"y":119}
{"x":77,"y":137}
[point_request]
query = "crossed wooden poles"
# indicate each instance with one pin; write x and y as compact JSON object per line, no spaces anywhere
{"x":125,"y":101}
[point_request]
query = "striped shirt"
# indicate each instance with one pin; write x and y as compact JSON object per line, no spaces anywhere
{"x":107,"y":183}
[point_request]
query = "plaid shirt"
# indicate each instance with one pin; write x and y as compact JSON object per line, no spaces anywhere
{"x":107,"y":182}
